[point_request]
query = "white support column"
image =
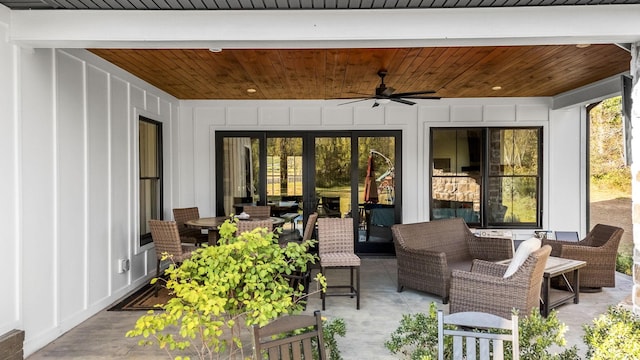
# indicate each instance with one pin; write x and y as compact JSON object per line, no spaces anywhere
{"x":635,"y":173}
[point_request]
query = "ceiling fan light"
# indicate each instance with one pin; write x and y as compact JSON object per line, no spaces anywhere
{"x":383,"y":101}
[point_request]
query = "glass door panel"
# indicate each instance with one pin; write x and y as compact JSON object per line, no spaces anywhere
{"x":376,"y":189}
{"x":284,"y":180}
{"x":333,"y":176}
{"x":240,"y":173}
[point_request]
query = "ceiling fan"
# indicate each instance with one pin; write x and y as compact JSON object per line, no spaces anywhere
{"x":386,"y":94}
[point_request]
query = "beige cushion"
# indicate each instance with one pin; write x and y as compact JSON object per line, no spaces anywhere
{"x":524,"y":250}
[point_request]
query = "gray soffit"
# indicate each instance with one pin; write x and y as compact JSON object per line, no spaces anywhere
{"x":287,"y":4}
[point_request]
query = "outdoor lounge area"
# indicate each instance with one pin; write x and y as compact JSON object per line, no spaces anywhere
{"x":117,"y":112}
{"x":382,"y":307}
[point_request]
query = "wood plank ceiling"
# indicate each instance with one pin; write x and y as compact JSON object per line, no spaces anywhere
{"x":520,"y":71}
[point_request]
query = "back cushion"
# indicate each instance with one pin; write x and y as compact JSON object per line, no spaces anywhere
{"x":524,"y":250}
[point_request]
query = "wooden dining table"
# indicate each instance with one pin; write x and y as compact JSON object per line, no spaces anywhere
{"x":212,"y":224}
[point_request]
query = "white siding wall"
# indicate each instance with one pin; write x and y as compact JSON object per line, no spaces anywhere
{"x":561,"y":151}
{"x":69,"y":188}
{"x":9,"y":183}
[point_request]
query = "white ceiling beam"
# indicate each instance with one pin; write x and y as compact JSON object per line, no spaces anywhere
{"x":547,"y":25}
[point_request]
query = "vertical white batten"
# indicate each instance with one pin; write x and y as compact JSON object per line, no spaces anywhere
{"x":85,"y":184}
{"x":56,"y":202}
{"x":17,"y":178}
{"x":110,"y":269}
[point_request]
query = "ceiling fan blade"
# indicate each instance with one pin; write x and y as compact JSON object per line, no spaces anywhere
{"x":402,"y":101}
{"x":423,"y":97}
{"x":387,"y":92}
{"x":355,"y":101}
{"x":411,"y":93}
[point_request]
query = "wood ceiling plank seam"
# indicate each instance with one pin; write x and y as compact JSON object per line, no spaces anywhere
{"x":272,"y":72}
{"x":437,"y":77}
{"x":469,"y":59}
{"x":421,"y":60}
{"x":365,"y":76}
{"x":259,"y":72}
{"x":335,"y":64}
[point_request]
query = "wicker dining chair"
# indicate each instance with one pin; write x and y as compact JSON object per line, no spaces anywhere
{"x":336,"y":250}
{"x":181,"y":216}
{"x":166,"y":239}
{"x":249,"y":225}
{"x":289,"y":338}
{"x":599,"y":249}
{"x":310,"y":227}
{"x":257,"y":210}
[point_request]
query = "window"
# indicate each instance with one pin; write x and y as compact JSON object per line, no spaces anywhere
{"x":150,"y":156}
{"x":490,"y":177}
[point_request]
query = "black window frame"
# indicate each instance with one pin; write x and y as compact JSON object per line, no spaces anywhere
{"x":145,"y":238}
{"x":485,"y":175}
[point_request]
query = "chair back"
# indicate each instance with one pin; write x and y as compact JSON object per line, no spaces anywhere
{"x":468,"y":343}
{"x":311,"y":225}
{"x":182,"y":215}
{"x":335,"y":235}
{"x":257,"y":210}
{"x":249,"y":225}
{"x":289,"y":346}
{"x":604,"y":235}
{"x":166,"y":237}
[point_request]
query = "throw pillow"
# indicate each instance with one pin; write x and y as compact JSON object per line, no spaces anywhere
{"x":522,"y":253}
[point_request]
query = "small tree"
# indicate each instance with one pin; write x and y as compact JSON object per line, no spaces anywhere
{"x":222,"y":290}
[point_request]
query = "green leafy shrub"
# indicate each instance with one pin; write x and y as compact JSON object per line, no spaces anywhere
{"x":417,"y":337}
{"x":624,"y":264}
{"x":614,"y":335}
{"x":330,"y":329}
{"x":221,"y":291}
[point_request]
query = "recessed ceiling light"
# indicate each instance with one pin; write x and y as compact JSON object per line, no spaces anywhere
{"x":215,"y":50}
{"x":582,"y":46}
{"x":496,"y":88}
{"x":251,"y":90}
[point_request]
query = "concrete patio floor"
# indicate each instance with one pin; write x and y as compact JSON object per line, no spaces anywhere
{"x":381,"y":309}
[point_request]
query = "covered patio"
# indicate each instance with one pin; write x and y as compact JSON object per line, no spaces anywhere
{"x":71,"y":186}
{"x":382,"y":307}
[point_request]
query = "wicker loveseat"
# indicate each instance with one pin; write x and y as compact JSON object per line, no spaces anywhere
{"x":427,"y":252}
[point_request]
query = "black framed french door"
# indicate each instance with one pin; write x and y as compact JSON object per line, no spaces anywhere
{"x":348,"y":174}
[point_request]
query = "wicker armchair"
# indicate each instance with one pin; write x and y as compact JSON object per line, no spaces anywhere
{"x":166,"y":239}
{"x":484,"y":289}
{"x":181,"y":216}
{"x":427,"y":252}
{"x":599,"y":249}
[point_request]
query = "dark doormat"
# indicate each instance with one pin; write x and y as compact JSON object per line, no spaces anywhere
{"x":143,"y":299}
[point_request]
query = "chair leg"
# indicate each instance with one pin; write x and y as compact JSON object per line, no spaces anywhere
{"x":157,"y":286}
{"x":323,"y":294}
{"x":358,"y":288}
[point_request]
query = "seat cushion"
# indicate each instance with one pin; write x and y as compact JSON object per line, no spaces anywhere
{"x":523,"y":252}
{"x":339,"y":259}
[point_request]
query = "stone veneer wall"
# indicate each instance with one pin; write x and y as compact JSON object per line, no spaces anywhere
{"x":11,"y":345}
